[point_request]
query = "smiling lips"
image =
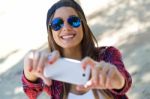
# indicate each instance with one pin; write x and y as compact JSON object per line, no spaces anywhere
{"x":68,"y":36}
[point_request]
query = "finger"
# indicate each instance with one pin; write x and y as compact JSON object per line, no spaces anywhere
{"x":53,"y":57}
{"x":28,"y":61}
{"x":108,"y":83}
{"x":117,"y":78}
{"x":103,"y":75}
{"x":81,"y":88}
{"x":42,"y":62}
{"x":87,"y":61}
{"x":99,"y":84}
{"x":95,"y":73}
{"x":95,"y":76}
{"x":36,"y":57}
{"x":88,"y":84}
{"x":46,"y":80}
{"x":49,"y":58}
{"x":110,"y":76}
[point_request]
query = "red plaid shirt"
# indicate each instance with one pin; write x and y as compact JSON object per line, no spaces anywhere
{"x":111,"y":55}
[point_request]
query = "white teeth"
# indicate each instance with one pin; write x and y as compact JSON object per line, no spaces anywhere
{"x":67,"y":36}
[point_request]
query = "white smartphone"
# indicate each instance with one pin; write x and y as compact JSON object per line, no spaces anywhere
{"x":67,"y":70}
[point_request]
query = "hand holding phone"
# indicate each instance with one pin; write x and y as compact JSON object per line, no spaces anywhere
{"x":67,"y":70}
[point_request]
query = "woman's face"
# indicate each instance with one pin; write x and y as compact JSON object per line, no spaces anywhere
{"x":67,"y":36}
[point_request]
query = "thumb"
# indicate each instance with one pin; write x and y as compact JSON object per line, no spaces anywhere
{"x":81,"y":88}
{"x":87,"y":61}
{"x":28,"y":62}
{"x":47,"y":81}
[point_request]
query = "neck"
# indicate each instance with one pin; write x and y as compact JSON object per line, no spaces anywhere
{"x":74,"y":53}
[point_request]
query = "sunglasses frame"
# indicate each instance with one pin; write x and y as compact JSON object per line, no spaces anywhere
{"x":62,"y":24}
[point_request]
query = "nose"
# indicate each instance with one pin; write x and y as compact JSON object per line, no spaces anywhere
{"x":66,"y":26}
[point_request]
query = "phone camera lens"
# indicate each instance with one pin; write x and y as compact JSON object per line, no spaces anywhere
{"x":83,"y":74}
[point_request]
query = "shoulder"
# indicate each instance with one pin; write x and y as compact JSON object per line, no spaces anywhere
{"x":107,"y":52}
{"x":103,"y":49}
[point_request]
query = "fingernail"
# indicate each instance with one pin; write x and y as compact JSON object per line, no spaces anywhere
{"x":89,"y":83}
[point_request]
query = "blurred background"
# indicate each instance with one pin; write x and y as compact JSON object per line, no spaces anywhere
{"x":124,"y":24}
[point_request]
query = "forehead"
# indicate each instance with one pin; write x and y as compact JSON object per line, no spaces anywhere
{"x":65,"y":12}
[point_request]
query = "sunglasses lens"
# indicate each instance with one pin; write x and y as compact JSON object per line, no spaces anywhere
{"x":74,"y":21}
{"x":56,"y":24}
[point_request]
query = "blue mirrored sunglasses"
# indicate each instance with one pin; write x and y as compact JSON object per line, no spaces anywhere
{"x":58,"y":23}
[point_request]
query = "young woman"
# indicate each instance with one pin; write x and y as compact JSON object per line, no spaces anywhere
{"x":70,"y":36}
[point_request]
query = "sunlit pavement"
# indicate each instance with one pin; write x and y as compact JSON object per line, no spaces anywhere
{"x":121,"y":23}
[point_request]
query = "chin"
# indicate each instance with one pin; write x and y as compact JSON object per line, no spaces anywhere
{"x":69,"y":46}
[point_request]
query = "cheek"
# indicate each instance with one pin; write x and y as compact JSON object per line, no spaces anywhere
{"x":80,"y":33}
{"x":55,"y":37}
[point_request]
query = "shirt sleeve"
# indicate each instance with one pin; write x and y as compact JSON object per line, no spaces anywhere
{"x":32,"y":89}
{"x":113,"y":56}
